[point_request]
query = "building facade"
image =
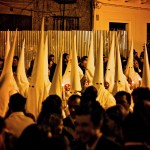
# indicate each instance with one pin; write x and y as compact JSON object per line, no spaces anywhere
{"x":59,"y":14}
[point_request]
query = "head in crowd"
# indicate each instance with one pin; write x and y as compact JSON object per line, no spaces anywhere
{"x":141,"y":97}
{"x":73,"y":104}
{"x":56,"y":124}
{"x":17,"y":102}
{"x":52,"y":104}
{"x":15,"y":64}
{"x":89,"y":95}
{"x":113,"y":120}
{"x":83,"y":63}
{"x":141,"y":94}
{"x":89,"y":119}
{"x":123,"y":98}
{"x":51,"y":57}
{"x":65,"y":58}
{"x":15,"y":60}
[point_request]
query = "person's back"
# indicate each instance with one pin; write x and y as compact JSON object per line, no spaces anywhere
{"x":17,"y":121}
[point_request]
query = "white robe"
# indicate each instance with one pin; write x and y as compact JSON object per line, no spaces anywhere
{"x":105,"y":98}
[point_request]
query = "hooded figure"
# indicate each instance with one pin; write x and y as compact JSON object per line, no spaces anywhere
{"x":105,"y":98}
{"x":75,"y":84}
{"x":110,"y":68}
{"x":89,"y":73}
{"x":21,"y":78}
{"x":56,"y":85}
{"x":146,"y":71}
{"x":47,"y":83}
{"x":130,"y":72}
{"x":121,"y":83}
{"x":36,"y":88}
{"x":8,"y":85}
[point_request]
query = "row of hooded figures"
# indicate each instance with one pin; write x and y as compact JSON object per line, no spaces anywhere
{"x":70,"y":75}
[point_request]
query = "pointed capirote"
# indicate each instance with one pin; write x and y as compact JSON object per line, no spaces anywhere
{"x":36,"y":88}
{"x":98,"y":79}
{"x":105,"y":98}
{"x":146,"y":70}
{"x":75,"y":75}
{"x":38,"y":70}
{"x":130,"y":72}
{"x":120,"y":79}
{"x":21,"y":78}
{"x":129,"y":67}
{"x":110,"y":68}
{"x":8,"y":85}
{"x":56,"y":85}
{"x":90,"y":61}
{"x":7,"y":48}
{"x":47,"y":82}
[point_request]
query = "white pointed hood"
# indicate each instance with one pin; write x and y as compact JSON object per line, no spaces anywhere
{"x":90,"y":61}
{"x":47,"y":82}
{"x":36,"y":88}
{"x":7,"y":48}
{"x":129,"y":67}
{"x":120,"y":79}
{"x":146,"y":70}
{"x":38,"y":69}
{"x":56,"y":85}
{"x":8,"y":84}
{"x":130,"y":72}
{"x":75,"y":76}
{"x":98,"y":79}
{"x":110,"y":69}
{"x":21,"y":78}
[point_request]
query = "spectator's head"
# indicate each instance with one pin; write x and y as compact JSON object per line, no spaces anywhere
{"x":51,"y":57}
{"x":89,"y":95}
{"x":65,"y":57}
{"x":89,"y":119}
{"x":73,"y":104}
{"x":140,"y":96}
{"x":15,"y":60}
{"x":17,"y":102}
{"x":123,"y":98}
{"x":83,"y":62}
{"x":52,"y":104}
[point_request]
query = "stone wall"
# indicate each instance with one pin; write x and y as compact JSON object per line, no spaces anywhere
{"x":49,"y":8}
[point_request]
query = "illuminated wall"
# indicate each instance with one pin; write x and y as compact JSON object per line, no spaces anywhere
{"x":135,"y":14}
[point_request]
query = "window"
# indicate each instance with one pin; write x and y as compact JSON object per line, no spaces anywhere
{"x":65,"y":23}
{"x":11,"y":22}
{"x":114,"y":26}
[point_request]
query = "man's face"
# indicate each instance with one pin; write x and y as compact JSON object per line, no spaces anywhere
{"x":122,"y":100}
{"x":15,"y":62}
{"x":84,"y":64}
{"x":84,"y":127}
{"x":50,"y":64}
{"x":73,"y":105}
{"x":51,"y":58}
